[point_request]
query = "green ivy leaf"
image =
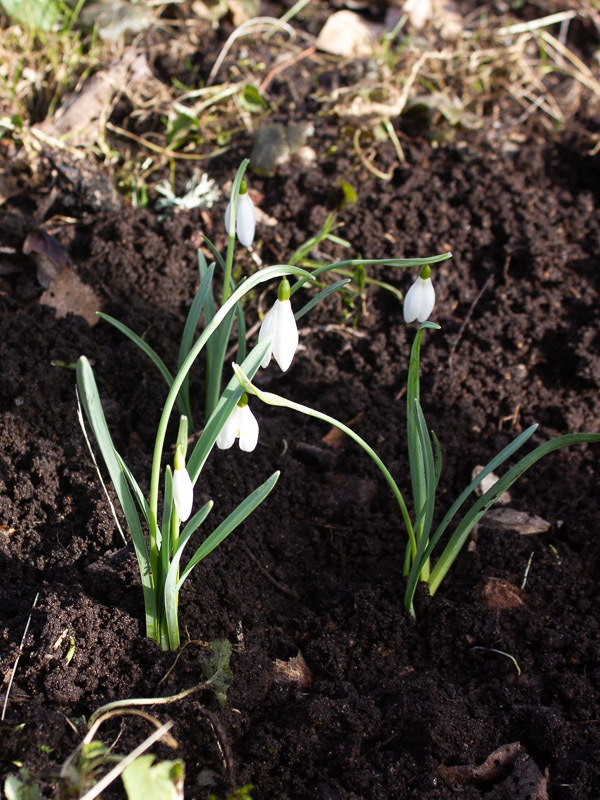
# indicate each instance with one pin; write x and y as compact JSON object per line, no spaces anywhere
{"x":214,"y":663}
{"x":39,"y":15}
{"x":21,"y":788}
{"x":161,"y":781}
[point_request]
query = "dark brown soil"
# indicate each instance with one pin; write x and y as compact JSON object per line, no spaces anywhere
{"x":317,"y":570}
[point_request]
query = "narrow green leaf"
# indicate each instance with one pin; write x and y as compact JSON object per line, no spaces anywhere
{"x":484,"y":503}
{"x":429,"y":472}
{"x":215,"y":253}
{"x":241,"y":333}
{"x":137,"y":492}
{"x":495,"y":462}
{"x":167,"y":503}
{"x":214,"y":372}
{"x":189,"y":331}
{"x":93,"y":410}
{"x":320,"y":296}
{"x":170,"y":587}
{"x":145,"y":348}
{"x":403,"y":263}
{"x":245,"y":508}
{"x":231,"y":395}
{"x":282,"y":402}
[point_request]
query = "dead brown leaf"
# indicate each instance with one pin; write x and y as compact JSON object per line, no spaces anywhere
{"x":499,"y":594}
{"x":47,"y":252}
{"x":509,"y":519}
{"x":68,"y":294}
{"x":335,"y":438}
{"x":510,"y":767}
{"x":295,"y":671}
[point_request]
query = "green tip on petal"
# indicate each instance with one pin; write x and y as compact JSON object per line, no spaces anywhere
{"x":283,"y":293}
{"x":179,"y":459}
{"x":425,"y":272}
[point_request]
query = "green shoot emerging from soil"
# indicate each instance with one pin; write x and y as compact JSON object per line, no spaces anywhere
{"x":425,"y":459}
{"x":159,"y":540}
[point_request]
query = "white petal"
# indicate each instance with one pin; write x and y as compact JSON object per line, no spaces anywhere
{"x":427,"y":300}
{"x":246,"y":220}
{"x":248,"y":430}
{"x":419,"y":300}
{"x":227,"y":217}
{"x":183,"y":493}
{"x":268,"y":328}
{"x":286,"y":336}
{"x":229,"y":431}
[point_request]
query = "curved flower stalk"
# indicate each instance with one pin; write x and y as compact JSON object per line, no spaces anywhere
{"x":241,"y":425}
{"x":420,"y":298}
{"x":245,"y":224}
{"x":280,"y":324}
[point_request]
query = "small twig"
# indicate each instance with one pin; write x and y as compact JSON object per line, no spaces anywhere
{"x":267,"y":574}
{"x":384,"y":176}
{"x":199,"y":642}
{"x":466,"y":321}
{"x":309,"y":51}
{"x":163,"y":151}
{"x":534,"y":24}
{"x":87,"y":441}
{"x":500,"y":653}
{"x":222,"y":744}
{"x":242,"y":30}
{"x":19,"y":654}
{"x":527,"y":568}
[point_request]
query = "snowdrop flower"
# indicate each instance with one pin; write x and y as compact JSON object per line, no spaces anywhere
{"x":245,"y":218}
{"x":183,"y":491}
{"x":241,"y":425}
{"x":420,"y":298}
{"x":281,"y":324}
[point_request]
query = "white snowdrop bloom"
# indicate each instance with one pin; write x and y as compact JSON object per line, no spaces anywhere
{"x":245,"y":220}
{"x":241,"y":425}
{"x":281,"y":324}
{"x":420,"y":298}
{"x":183,"y":490}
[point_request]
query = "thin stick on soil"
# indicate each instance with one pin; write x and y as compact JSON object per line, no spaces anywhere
{"x":19,"y":654}
{"x":309,"y":51}
{"x":465,"y":321}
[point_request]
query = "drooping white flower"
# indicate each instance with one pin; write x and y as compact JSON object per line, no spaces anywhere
{"x":245,"y":218}
{"x":420,"y":298}
{"x":183,"y":490}
{"x":241,"y":425}
{"x":281,"y":324}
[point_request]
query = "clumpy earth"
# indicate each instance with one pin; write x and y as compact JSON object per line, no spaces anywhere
{"x":336,"y":693}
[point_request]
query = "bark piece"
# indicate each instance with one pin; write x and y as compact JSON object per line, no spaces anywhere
{"x":509,"y":519}
{"x":514,"y":772}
